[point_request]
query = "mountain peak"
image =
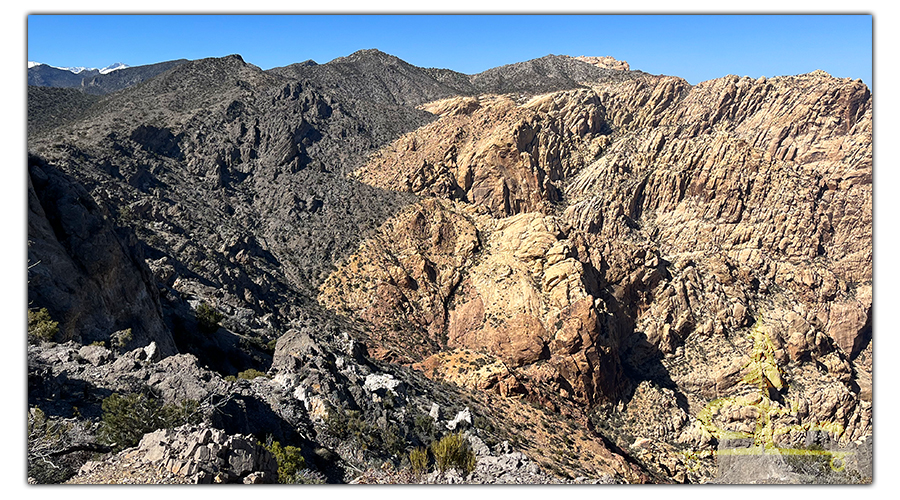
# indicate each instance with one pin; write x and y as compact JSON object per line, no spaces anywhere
{"x":605,"y":62}
{"x":370,"y":53}
{"x":113,"y":67}
{"x":367,"y":55}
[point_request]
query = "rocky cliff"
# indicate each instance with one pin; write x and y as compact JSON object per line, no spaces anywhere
{"x":623,"y":276}
{"x":636,"y":232}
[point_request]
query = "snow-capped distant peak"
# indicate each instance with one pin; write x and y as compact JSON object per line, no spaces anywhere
{"x":79,"y":69}
{"x":75,"y":70}
{"x":113,"y":67}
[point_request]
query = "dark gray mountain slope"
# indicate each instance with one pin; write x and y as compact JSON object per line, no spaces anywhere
{"x":48,"y":76}
{"x":88,"y":273}
{"x":235,"y":180}
{"x":547,"y":74}
{"x":373,"y":76}
{"x":50,"y":107}
{"x":122,"y":78}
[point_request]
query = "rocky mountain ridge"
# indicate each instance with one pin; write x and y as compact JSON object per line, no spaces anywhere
{"x":96,"y":81}
{"x":640,"y":269}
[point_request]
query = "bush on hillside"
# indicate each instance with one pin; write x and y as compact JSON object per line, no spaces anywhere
{"x":290,"y":462}
{"x":453,"y":451}
{"x":418,"y":460}
{"x":40,"y":326}
{"x":126,"y":418}
{"x":251,"y":374}
{"x":208,"y":318}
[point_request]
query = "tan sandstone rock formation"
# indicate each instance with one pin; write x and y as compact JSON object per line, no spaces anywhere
{"x":632,"y":234}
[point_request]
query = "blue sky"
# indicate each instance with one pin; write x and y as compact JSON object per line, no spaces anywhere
{"x":695,"y":47}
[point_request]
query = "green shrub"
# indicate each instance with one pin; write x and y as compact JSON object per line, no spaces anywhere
{"x":290,"y":462}
{"x":119,"y":340}
{"x":40,"y":326}
{"x":251,"y":374}
{"x":126,"y":418}
{"x":208,"y":318}
{"x":418,"y":459}
{"x":126,"y":216}
{"x":181,"y":413}
{"x":453,"y":451}
{"x":391,"y":441}
{"x":352,"y":425}
{"x":424,"y":427}
{"x":336,"y":421}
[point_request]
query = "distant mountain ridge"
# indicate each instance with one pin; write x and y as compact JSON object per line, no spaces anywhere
{"x":368,"y":73}
{"x":385,"y":78}
{"x":95,"y":81}
{"x":79,"y":69}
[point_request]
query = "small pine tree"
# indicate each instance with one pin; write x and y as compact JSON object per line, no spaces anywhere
{"x":126,"y":418}
{"x":208,"y":318}
{"x":40,"y":326}
{"x":290,"y":462}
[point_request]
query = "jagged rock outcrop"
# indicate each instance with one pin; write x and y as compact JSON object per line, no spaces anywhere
{"x":90,"y":275}
{"x":731,"y":189}
{"x":185,"y":455}
{"x":401,"y":280}
{"x":64,"y":379}
{"x":492,"y":152}
{"x":519,"y":296}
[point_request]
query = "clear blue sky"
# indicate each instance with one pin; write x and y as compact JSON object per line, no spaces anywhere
{"x":695,"y":47}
